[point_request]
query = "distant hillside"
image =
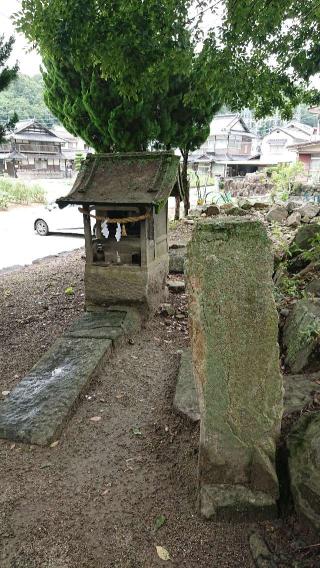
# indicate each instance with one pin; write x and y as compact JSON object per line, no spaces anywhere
{"x":25,"y":97}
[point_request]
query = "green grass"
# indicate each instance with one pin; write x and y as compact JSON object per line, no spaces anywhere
{"x":18,"y":192}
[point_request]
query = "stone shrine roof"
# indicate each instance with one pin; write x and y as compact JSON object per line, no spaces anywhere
{"x":141,"y":178}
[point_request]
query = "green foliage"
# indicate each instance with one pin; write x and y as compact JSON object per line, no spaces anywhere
{"x":283,"y":177}
{"x":313,"y":254}
{"x":159,"y":522}
{"x":25,"y":97}
{"x":18,"y":192}
{"x":69,"y":291}
{"x":289,"y":286}
{"x":141,"y":81}
{"x":7,"y":75}
{"x":285,"y":33}
{"x":78,"y":160}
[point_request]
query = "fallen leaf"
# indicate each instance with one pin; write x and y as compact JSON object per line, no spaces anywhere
{"x":95,"y":418}
{"x":54,"y":444}
{"x":12,"y":447}
{"x":159,"y":522}
{"x":163,"y":553}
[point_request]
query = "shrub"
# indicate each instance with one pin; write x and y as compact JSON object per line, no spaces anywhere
{"x":19,"y":192}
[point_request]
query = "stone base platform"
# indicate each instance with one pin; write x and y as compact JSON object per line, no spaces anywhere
{"x":37,"y":409}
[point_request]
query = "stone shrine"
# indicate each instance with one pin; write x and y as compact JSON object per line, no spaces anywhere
{"x":126,"y":195}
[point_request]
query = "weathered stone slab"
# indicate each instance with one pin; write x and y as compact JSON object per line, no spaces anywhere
{"x":38,"y":407}
{"x":234,"y":328}
{"x":186,"y":398}
{"x":304,"y":468}
{"x":177,"y":255}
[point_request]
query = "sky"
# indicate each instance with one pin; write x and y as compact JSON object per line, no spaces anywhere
{"x":29,"y":62}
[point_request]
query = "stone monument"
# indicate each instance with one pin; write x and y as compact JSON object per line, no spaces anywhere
{"x":234,"y":331}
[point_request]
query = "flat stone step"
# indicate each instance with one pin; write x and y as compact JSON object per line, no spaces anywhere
{"x":37,"y":409}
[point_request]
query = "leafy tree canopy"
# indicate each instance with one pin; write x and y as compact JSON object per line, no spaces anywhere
{"x":122,"y":74}
{"x":25,"y":97}
{"x":282,"y":34}
{"x":7,"y":74}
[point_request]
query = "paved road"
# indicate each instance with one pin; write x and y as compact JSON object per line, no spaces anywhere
{"x":20,"y":245}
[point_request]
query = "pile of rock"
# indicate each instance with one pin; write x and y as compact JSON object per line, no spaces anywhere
{"x":250,"y":184}
{"x":294,"y":213}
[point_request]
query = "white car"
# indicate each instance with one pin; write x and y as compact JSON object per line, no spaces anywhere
{"x":51,"y":219}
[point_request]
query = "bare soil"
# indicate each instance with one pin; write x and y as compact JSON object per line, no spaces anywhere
{"x":92,"y":500}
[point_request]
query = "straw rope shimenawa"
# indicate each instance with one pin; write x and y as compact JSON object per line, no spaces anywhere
{"x":120,"y":220}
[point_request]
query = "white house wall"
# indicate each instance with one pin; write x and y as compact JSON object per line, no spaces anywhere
{"x":273,"y":152}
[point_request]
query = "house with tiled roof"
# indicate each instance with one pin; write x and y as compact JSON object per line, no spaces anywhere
{"x":32,"y":151}
{"x":229,"y":144}
{"x":276,"y":147}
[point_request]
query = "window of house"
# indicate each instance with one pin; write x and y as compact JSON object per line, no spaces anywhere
{"x":314,"y":170}
{"x":276,"y":146}
{"x":221,"y":143}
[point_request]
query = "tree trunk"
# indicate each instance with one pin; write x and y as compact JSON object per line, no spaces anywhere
{"x":185,"y":182}
{"x":177,"y":209}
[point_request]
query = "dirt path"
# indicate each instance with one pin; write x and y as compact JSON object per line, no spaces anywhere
{"x":92,"y":500}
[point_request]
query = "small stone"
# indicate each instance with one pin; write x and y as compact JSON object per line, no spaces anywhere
{"x":212,"y":210}
{"x":189,"y":221}
{"x":194,"y":213}
{"x":167,"y":310}
{"x":293,"y":205}
{"x":176,"y":286}
{"x":305,"y":219}
{"x":236,"y":211}
{"x":285,"y":312}
{"x":5,"y":393}
{"x":260,"y":206}
{"x":294,"y":219}
{"x":226,"y":206}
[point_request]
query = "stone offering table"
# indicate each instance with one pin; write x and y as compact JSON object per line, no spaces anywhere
{"x":236,"y":363}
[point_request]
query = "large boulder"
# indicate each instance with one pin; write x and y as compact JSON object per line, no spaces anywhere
{"x":301,"y":336}
{"x":304,"y":468}
{"x":304,"y":236}
{"x":294,"y":219}
{"x":309,"y":210}
{"x":277,"y":214}
{"x":313,"y":288}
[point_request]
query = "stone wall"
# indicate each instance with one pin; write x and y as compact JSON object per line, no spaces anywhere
{"x":234,"y":329}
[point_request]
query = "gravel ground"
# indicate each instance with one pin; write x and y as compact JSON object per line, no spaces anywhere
{"x":92,"y":500}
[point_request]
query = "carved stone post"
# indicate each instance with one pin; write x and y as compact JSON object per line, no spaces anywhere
{"x":234,"y":329}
